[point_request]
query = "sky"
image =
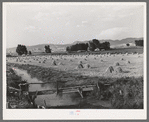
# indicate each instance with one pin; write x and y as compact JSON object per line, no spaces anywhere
{"x":64,"y":23}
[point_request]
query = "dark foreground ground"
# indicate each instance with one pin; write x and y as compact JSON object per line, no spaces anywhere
{"x":124,"y":93}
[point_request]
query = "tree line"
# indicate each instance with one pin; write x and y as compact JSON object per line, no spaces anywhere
{"x":86,"y":46}
{"x":21,"y":49}
{"x":89,"y":46}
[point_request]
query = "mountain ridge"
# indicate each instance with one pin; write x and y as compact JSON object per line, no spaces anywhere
{"x":62,"y":47}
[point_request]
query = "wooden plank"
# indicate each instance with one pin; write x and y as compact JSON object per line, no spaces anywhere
{"x":75,"y":90}
{"x":62,"y":91}
{"x":107,"y":84}
{"x":84,"y":86}
{"x":42,"y":83}
{"x":12,"y":88}
{"x":43,"y":92}
{"x":67,"y":92}
{"x":88,"y":89}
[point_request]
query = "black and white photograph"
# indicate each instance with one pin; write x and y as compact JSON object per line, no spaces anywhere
{"x":75,"y":58}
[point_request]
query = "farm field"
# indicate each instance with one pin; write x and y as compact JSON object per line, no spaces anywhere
{"x":74,"y":70}
{"x":91,"y":65}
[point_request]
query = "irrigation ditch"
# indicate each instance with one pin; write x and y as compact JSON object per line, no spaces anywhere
{"x":126,"y":92}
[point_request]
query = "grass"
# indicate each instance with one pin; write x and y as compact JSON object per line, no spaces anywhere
{"x":12,"y":79}
{"x":125,"y":92}
{"x":13,"y":98}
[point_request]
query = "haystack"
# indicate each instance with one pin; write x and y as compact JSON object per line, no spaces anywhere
{"x":80,"y":66}
{"x":54,"y":63}
{"x":87,"y":66}
{"x":117,"y":64}
{"x":110,"y":69}
{"x":80,"y":62}
{"x":60,"y":63}
{"x":70,"y":60}
{"x":122,"y":59}
{"x":128,"y":62}
{"x":119,"y":70}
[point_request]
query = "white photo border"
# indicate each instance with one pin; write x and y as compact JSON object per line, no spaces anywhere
{"x":87,"y":114}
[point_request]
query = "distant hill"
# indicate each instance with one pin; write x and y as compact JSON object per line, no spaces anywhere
{"x":40,"y":48}
{"x":115,"y":42}
{"x":62,"y":47}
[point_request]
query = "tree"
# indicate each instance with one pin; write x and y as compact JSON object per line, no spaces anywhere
{"x":105,"y":45}
{"x":139,"y":42}
{"x":96,"y":42}
{"x":21,"y":49}
{"x":128,"y":44}
{"x":91,"y":46}
{"x":30,"y":53}
{"x":67,"y":48}
{"x":47,"y":49}
{"x":76,"y":47}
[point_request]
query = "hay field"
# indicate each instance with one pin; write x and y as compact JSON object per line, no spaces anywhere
{"x":123,"y":71}
{"x":124,"y":65}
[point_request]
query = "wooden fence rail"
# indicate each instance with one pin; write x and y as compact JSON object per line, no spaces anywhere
{"x":24,"y":87}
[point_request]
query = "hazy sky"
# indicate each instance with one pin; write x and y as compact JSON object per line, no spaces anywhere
{"x":38,"y":23}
